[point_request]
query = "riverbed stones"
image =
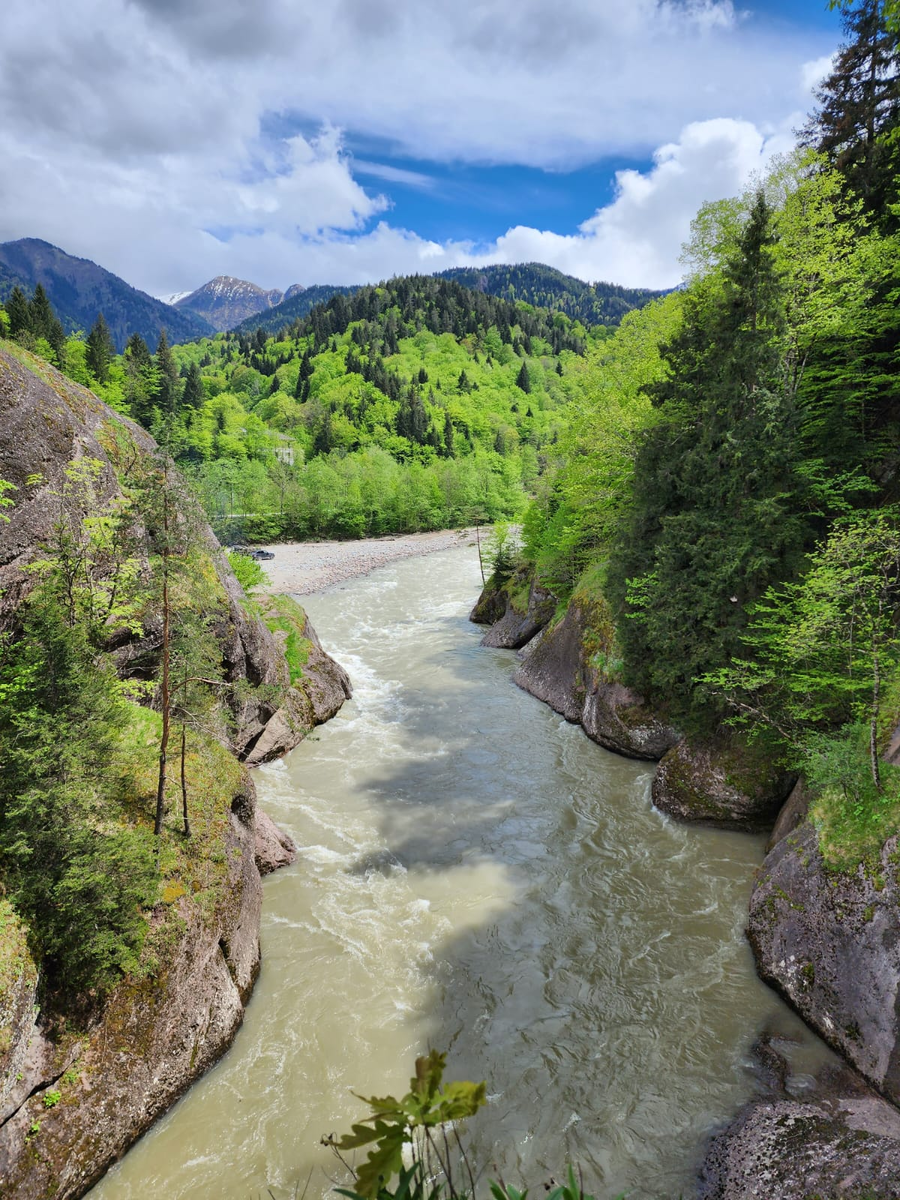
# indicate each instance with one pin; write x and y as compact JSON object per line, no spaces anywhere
{"x":829,"y":941}
{"x":721,"y":781}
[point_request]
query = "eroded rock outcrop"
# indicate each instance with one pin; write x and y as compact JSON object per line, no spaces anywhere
{"x":273,"y":848}
{"x":830,"y":943}
{"x":154,"y":1037}
{"x":75,"y":1093}
{"x":840,"y":1140}
{"x":721,"y":781}
{"x":521,"y":622}
{"x":48,"y":422}
{"x":562,"y":667}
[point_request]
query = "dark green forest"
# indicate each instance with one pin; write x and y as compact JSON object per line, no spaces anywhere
{"x":545,"y":287}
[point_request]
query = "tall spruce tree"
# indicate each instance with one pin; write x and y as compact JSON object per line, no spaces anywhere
{"x":100,"y":349}
{"x":18,"y":312}
{"x":717,"y":512}
{"x":168,"y":388}
{"x":859,"y":105}
{"x":194,"y":395}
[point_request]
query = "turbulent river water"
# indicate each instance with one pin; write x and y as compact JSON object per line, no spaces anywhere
{"x":477,"y":876}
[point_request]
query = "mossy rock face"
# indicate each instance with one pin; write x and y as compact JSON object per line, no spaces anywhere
{"x":18,"y":991}
{"x":830,"y":943}
{"x":787,"y":1150}
{"x":721,"y":781}
{"x":491,"y":604}
{"x":529,"y":608}
{"x":154,"y":1037}
{"x":320,"y":685}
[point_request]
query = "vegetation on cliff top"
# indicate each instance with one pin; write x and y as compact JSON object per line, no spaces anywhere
{"x":123,"y":598}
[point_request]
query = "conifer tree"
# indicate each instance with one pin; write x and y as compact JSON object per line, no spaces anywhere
{"x":40,"y":313}
{"x":18,"y":312}
{"x":523,"y":381}
{"x":167,"y":385}
{"x":718,"y":512}
{"x":100,"y":350}
{"x":194,"y":395}
{"x":859,"y":105}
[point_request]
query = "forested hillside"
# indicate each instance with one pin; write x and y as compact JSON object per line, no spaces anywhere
{"x":79,"y":291}
{"x":418,"y":404}
{"x":545,"y":287}
{"x":294,"y":307}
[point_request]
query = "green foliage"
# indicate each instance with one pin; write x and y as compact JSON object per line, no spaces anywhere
{"x":718,"y":500}
{"x":284,"y":616}
{"x":248,"y":571}
{"x":81,"y":882}
{"x":501,"y":551}
{"x":408,"y":1121}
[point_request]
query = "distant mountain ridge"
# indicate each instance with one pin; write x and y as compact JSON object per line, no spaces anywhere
{"x":225,"y":301}
{"x":546,"y":287}
{"x":79,"y":289}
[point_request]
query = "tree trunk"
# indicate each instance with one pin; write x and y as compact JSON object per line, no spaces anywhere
{"x":184,"y":802}
{"x":165,"y":697}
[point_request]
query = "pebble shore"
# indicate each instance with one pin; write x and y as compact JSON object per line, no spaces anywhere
{"x":300,"y":568}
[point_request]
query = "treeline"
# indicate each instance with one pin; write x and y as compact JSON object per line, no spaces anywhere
{"x":730,"y":484}
{"x":545,"y":287}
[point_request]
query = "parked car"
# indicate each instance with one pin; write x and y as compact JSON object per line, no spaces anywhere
{"x":252,"y":552}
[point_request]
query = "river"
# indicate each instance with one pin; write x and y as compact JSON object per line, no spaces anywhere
{"x":474,"y":875}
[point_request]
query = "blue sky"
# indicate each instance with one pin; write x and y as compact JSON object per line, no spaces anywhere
{"x":291,"y":141}
{"x":478,"y":202}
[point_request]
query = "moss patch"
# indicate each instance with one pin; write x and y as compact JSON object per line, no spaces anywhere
{"x":287,"y":620}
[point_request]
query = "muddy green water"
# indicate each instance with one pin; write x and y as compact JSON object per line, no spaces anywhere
{"x":475,"y":875}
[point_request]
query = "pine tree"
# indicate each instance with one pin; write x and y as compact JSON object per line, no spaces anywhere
{"x":523,"y":380}
{"x":18,"y":312}
{"x":194,"y":395}
{"x":166,"y":395}
{"x":718,"y":504}
{"x":140,"y":379}
{"x":860,"y":105}
{"x":100,"y":350}
{"x":40,"y":313}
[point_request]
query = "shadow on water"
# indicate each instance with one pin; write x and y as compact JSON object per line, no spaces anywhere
{"x":477,"y":876}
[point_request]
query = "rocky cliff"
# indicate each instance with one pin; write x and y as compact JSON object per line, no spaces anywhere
{"x":829,"y":941}
{"x":78,"y":1085}
{"x":571,"y":664}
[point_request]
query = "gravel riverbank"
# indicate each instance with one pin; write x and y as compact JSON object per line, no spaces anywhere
{"x":304,"y":567}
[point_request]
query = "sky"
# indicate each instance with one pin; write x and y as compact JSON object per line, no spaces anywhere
{"x":285,"y":141}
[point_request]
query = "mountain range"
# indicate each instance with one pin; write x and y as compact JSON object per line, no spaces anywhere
{"x":78,"y":290}
{"x":546,"y":287}
{"x":225,"y":301}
